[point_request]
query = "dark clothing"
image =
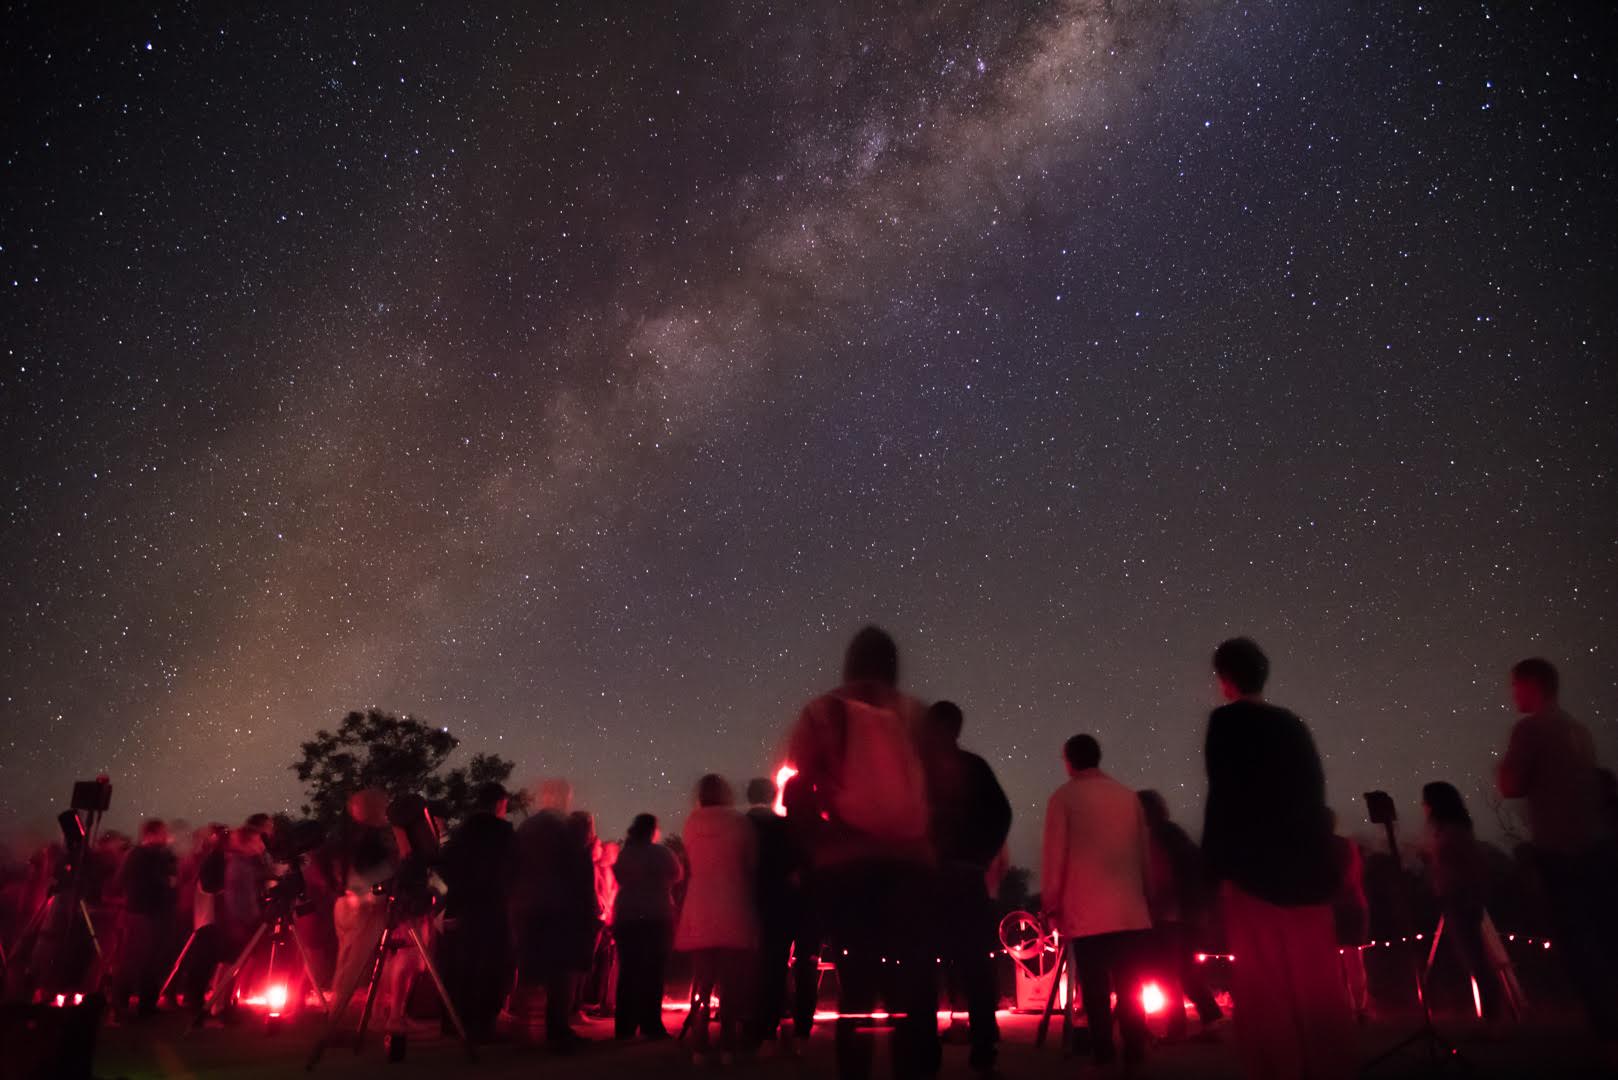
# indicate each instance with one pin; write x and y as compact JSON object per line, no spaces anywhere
{"x":1551,"y":762}
{"x":477,"y":865}
{"x":805,"y":974}
{"x":871,"y":909}
{"x":1456,"y":862}
{"x":643,"y":959}
{"x":144,"y":958}
{"x":780,"y":861}
{"x":970,"y":812}
{"x":647,"y":874}
{"x":727,"y":973}
{"x":475,"y":949}
{"x":1108,"y":964}
{"x":474,"y":957}
{"x":149,"y":874}
{"x":1179,"y":881}
{"x":1583,"y":892}
{"x":555,"y":918}
{"x":966,"y":943}
{"x":970,"y":817}
{"x":1267,"y":828}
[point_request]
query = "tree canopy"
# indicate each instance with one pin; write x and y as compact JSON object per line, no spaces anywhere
{"x":400,"y":755}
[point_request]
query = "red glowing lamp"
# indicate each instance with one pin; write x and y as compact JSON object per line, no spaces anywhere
{"x":782,"y":775}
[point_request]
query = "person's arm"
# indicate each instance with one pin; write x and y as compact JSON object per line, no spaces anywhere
{"x":996,"y":810}
{"x":1516,"y":769}
{"x":1053,"y":858}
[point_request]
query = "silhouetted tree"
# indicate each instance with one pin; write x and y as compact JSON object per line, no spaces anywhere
{"x":399,"y":754}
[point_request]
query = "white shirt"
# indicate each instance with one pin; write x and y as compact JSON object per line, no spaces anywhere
{"x":1093,"y":871}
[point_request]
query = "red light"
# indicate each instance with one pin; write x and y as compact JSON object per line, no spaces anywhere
{"x":61,"y":1000}
{"x":78,"y":999}
{"x":276,"y":998}
{"x":782,"y":775}
{"x":1152,"y":999}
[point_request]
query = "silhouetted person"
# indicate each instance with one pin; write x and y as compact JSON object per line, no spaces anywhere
{"x":643,"y":924}
{"x":475,"y":949}
{"x":970,"y":819}
{"x":1267,"y":836}
{"x":1093,"y":873}
{"x":718,"y":924}
{"x":1459,"y":881}
{"x":1178,"y":897}
{"x":553,"y":906}
{"x":1551,"y":763}
{"x":149,"y":875}
{"x":861,"y":806}
{"x":779,"y":861}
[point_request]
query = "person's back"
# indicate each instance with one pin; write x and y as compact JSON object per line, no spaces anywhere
{"x":1551,"y":763}
{"x":778,"y":858}
{"x":477,"y":863}
{"x":150,"y":872}
{"x":1095,"y":855}
{"x":1267,"y":837}
{"x":719,"y":910}
{"x":646,"y":873}
{"x":970,"y":813}
{"x":1267,"y":827}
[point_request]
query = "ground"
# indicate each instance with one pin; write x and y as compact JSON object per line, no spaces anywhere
{"x":163,"y":1048}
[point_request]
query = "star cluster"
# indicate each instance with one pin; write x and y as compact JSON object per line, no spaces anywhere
{"x":580,"y":377}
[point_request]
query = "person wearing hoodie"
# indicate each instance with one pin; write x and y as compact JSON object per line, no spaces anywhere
{"x":719,"y":924}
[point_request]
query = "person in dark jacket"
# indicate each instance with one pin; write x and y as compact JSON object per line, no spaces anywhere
{"x":780,"y":860}
{"x":475,"y":949}
{"x":554,"y":913}
{"x":1455,"y":863}
{"x":643,"y":923}
{"x":148,"y":877}
{"x":970,"y":818}
{"x":1267,"y":838}
{"x":1177,"y":894}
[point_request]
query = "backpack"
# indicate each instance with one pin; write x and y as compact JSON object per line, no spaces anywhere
{"x":883,"y":791}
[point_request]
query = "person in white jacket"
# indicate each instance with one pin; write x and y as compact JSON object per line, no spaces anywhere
{"x":719,"y":923}
{"x":1093,"y":876}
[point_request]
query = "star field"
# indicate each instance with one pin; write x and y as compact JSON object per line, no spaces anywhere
{"x":579,"y":379}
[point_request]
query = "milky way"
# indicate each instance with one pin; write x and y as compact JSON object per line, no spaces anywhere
{"x":580,"y":379}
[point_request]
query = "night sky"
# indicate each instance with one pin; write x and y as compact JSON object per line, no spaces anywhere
{"x":580,"y":377}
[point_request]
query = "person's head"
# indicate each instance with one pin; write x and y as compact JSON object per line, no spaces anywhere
{"x":369,"y":807}
{"x":154,"y":831}
{"x":872,"y":657}
{"x":261,"y":824}
{"x":1241,"y":668}
{"x":942,"y":723}
{"x":1444,"y":805}
{"x":556,"y":795}
{"x":582,"y":824}
{"x":643,"y":830}
{"x":714,"y":790}
{"x":761,"y":791}
{"x":491,"y":798}
{"x":1155,"y":807}
{"x":1535,"y":684}
{"x":1081,"y":752}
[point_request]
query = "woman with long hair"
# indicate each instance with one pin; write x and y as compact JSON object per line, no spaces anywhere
{"x":1456,"y":864}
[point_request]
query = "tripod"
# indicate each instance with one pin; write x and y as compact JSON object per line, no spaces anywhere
{"x":1440,"y":1051}
{"x":279,"y":923}
{"x":396,"y":919}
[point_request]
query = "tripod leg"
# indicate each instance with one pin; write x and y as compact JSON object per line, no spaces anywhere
{"x":179,"y":962}
{"x":1050,"y":999}
{"x":377,"y":968}
{"x":308,"y":968}
{"x":443,"y":994}
{"x":226,"y":983}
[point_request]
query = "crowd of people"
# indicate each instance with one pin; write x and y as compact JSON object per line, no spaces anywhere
{"x":883,"y":865}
